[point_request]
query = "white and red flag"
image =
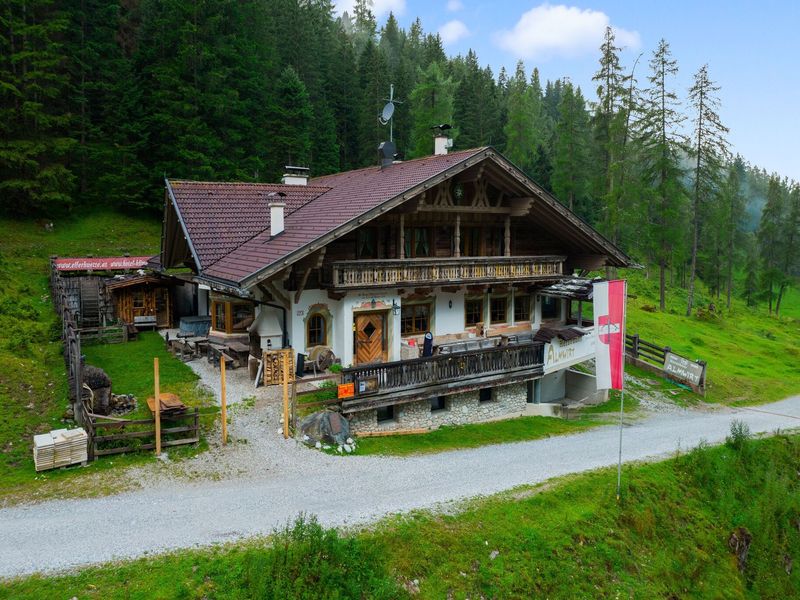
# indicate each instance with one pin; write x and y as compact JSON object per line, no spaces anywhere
{"x":609,"y":314}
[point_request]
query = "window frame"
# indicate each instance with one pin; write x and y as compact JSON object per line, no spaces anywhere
{"x":484,"y":392}
{"x":413,"y":307}
{"x":467,"y":302}
{"x":381,"y":417}
{"x":441,"y":404}
{"x":227,"y":314}
{"x":556,"y":307}
{"x":492,"y":300}
{"x":323,"y":330}
{"x":526,"y":298}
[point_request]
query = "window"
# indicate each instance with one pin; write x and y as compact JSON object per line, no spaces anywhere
{"x":415,"y":318}
{"x":550,"y":307}
{"x":473,"y":311}
{"x":485,"y":395}
{"x":385,"y":413}
{"x":417,"y":242}
{"x":218,"y":315}
{"x":470,"y":244}
{"x":138,"y":299}
{"x":366,"y":243}
{"x":242,"y":316}
{"x":229,"y":317}
{"x":495,"y":240}
{"x":522,"y":308}
{"x":316,"y":331}
{"x":497,"y":310}
{"x":438,"y":403}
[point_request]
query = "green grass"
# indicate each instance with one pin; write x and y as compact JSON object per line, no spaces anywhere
{"x":33,"y":393}
{"x":472,"y":436}
{"x":612,"y":405}
{"x":568,"y":538}
{"x":752,"y":358}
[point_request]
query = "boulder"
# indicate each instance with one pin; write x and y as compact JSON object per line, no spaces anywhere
{"x":100,"y":384}
{"x":326,"y":426}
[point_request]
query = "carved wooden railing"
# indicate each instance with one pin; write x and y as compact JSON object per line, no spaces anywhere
{"x":474,"y":269}
{"x":462,"y":367}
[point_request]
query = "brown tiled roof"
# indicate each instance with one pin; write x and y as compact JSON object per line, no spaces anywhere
{"x":220,"y":217}
{"x":348,"y":195}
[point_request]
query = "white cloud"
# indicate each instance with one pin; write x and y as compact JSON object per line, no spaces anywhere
{"x":452,"y":31}
{"x":558,"y":30}
{"x":380,"y":8}
{"x":454,"y":5}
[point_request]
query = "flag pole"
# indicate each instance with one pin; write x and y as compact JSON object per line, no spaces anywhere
{"x":622,"y":387}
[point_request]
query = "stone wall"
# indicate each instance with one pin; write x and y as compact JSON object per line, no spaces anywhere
{"x":507,"y":401}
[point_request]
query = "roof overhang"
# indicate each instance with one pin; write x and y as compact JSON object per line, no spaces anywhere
{"x":176,"y":244}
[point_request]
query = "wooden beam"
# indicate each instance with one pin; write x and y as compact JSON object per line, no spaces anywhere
{"x":457,"y":237}
{"x":277,"y":295}
{"x":507,"y":236}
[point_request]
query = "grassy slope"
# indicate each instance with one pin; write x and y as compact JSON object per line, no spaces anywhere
{"x":752,"y":358}
{"x":32,"y":381}
{"x":472,"y":436}
{"x":668,"y":538}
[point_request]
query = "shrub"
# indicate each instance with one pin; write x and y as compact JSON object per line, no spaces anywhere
{"x":740,"y":434}
{"x":309,"y":561}
{"x":335,"y":368}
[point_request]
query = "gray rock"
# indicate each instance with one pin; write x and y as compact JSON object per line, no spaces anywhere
{"x":494,"y":554}
{"x":326,"y":426}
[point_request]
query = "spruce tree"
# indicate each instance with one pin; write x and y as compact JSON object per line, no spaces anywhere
{"x":476,"y":106}
{"x":431,"y":105}
{"x":571,"y":183}
{"x":790,"y":253}
{"x":291,"y":124}
{"x":661,"y":147}
{"x":35,"y":140}
{"x":520,"y":133}
{"x":710,"y":149}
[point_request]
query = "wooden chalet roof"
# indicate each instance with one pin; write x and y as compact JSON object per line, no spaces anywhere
{"x":227,"y":231}
{"x":220,"y":217}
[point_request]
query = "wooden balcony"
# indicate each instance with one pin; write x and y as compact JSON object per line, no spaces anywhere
{"x":359,"y":274}
{"x":408,"y":380}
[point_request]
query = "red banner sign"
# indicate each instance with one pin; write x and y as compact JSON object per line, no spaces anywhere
{"x":609,"y":310}
{"x":113,"y":263}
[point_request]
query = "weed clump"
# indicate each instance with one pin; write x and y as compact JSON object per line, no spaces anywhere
{"x":309,"y":561}
{"x":739,"y":436}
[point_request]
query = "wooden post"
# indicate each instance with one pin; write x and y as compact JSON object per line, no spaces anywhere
{"x":402,"y":241}
{"x":286,"y":394}
{"x":457,"y":238}
{"x":157,"y":407}
{"x":507,"y":236}
{"x":223,"y":401}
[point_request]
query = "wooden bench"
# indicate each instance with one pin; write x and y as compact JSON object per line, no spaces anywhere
{"x":215,"y":353}
{"x":144,"y":321}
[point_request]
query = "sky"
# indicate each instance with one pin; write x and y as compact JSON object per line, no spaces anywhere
{"x":751,"y":48}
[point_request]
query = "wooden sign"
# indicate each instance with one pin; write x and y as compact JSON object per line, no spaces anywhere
{"x":368,"y":385}
{"x":346,"y":390}
{"x":683,"y":369}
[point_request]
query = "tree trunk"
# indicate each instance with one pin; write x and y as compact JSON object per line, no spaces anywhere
{"x":781,"y":290}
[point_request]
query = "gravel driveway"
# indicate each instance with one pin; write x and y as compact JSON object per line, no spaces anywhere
{"x":183,"y":512}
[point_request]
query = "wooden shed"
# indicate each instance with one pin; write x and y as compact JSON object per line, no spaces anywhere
{"x":142,"y":299}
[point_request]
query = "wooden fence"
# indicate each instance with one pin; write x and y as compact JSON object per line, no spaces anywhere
{"x":175,"y":431}
{"x":125,"y":431}
{"x":663,"y":361}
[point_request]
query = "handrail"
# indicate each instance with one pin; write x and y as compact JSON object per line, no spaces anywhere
{"x":445,"y":368}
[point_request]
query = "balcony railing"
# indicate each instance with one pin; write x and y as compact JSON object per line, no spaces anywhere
{"x":357,"y":274}
{"x":406,"y":380}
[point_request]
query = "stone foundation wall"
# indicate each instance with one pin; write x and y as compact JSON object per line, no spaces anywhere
{"x":507,"y":401}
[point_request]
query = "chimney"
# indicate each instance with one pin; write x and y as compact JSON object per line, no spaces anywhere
{"x":386,"y":152}
{"x":295,"y":175}
{"x":276,"y":218}
{"x":441,"y":144}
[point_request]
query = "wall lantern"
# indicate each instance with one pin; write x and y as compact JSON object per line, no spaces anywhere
{"x":395,"y":308}
{"x":450,"y":304}
{"x":373,"y":303}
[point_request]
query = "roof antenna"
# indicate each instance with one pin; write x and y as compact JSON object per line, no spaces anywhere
{"x":387,"y":112}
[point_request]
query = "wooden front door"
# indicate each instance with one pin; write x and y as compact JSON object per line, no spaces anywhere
{"x":370,"y":338}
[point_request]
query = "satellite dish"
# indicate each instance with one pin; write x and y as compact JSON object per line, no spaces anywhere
{"x":387,"y":113}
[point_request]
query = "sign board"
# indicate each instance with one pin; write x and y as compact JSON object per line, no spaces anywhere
{"x":560,"y":354}
{"x":118,"y":263}
{"x":683,"y":369}
{"x":346,"y":390}
{"x":368,"y":385}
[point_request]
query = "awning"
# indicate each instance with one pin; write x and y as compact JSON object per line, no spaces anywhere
{"x":574,"y":288}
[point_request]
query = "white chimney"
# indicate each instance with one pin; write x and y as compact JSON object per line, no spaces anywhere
{"x":276,"y":218}
{"x":295,"y":175}
{"x":441,"y":144}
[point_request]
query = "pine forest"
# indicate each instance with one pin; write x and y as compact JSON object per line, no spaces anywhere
{"x":100,"y":100}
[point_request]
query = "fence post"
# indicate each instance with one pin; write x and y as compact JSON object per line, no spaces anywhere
{"x":286,"y":393}
{"x":223,"y":401}
{"x":157,"y":407}
{"x":635,"y":345}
